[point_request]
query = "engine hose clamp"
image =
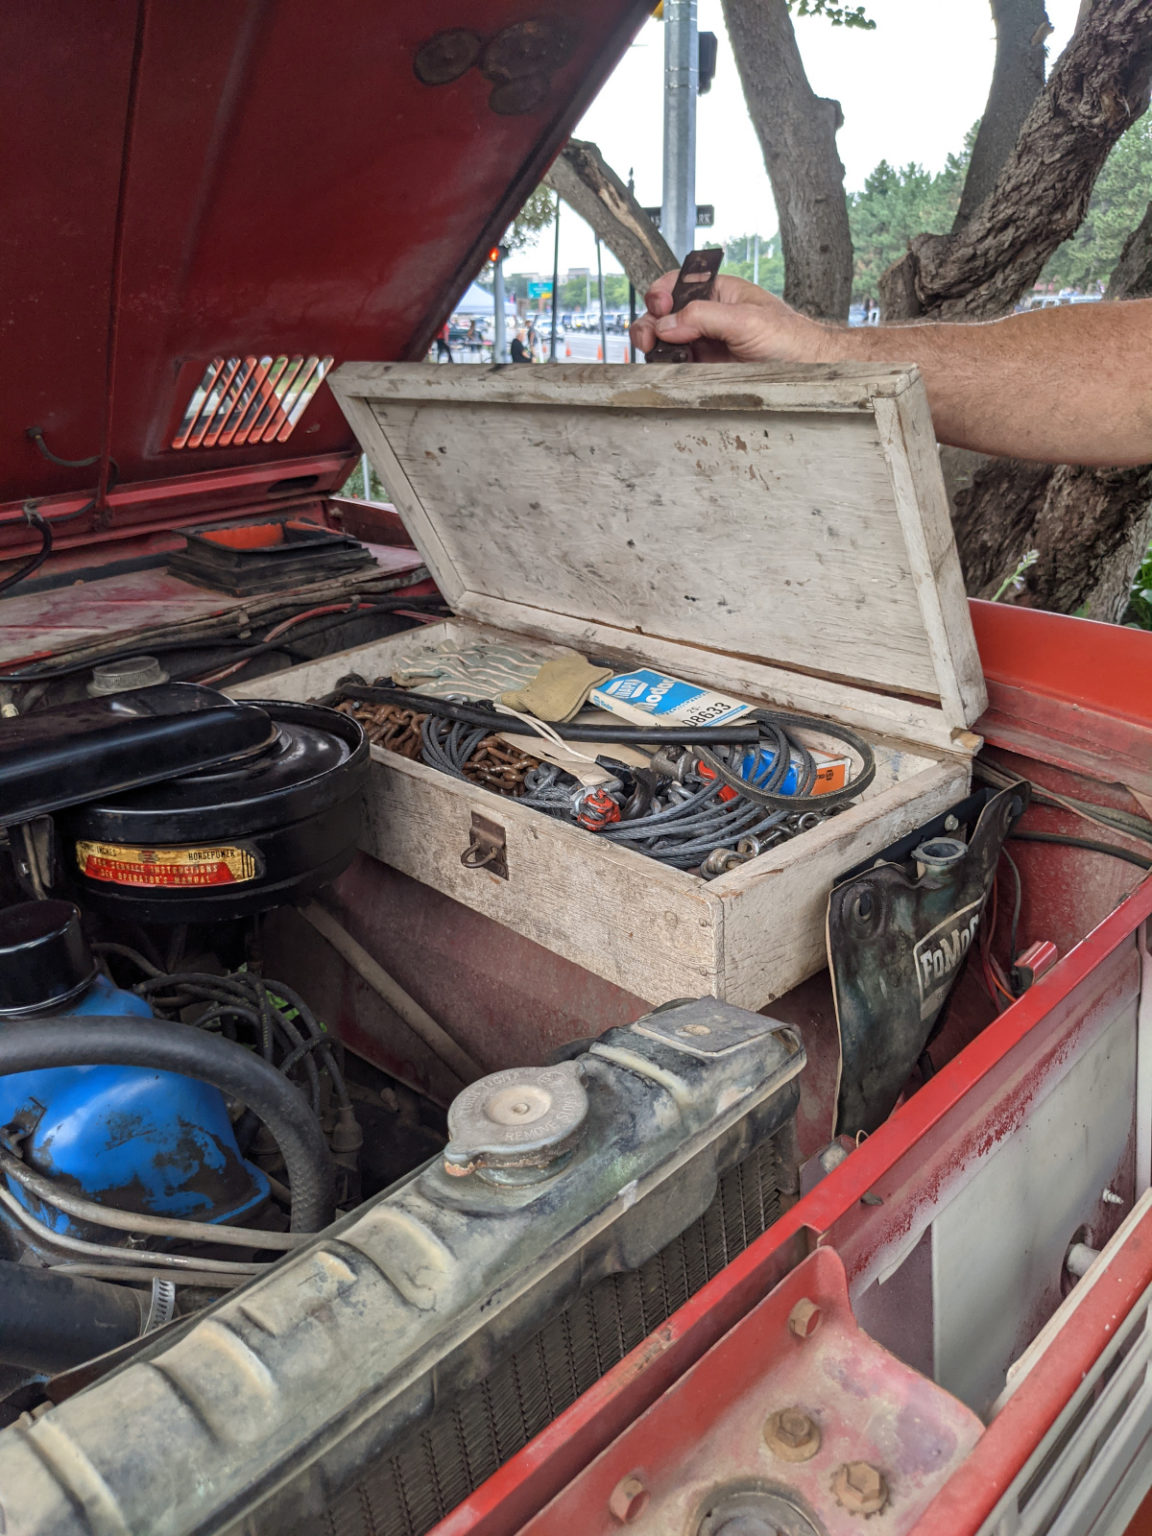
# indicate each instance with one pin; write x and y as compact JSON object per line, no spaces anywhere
{"x":162,"y":1305}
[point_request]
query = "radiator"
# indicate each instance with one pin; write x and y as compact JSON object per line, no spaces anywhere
{"x":431,"y":1471}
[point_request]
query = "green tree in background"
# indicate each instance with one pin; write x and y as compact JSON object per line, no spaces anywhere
{"x":896,"y":204}
{"x":740,"y":261}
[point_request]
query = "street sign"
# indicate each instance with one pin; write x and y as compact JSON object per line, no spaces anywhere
{"x":705,"y":215}
{"x":539,"y":290}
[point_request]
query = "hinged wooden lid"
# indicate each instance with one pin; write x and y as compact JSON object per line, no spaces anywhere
{"x":793,"y":520}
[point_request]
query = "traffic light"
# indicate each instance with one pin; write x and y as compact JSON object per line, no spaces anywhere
{"x":706,"y":46}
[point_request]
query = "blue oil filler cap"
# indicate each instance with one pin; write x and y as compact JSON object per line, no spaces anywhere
{"x":154,"y":1142}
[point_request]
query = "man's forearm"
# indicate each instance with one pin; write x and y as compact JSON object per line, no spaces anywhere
{"x":1071,"y":384}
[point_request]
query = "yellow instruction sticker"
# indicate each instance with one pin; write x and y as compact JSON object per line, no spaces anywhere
{"x":213,"y":864}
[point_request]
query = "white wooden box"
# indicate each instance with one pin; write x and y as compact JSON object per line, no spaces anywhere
{"x":780,"y":534}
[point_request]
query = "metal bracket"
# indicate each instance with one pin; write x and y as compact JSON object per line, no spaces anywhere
{"x":487,"y":847}
{"x":697,"y":279}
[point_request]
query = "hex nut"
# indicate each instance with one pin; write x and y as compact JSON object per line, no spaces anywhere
{"x":628,"y":1500}
{"x":791,"y":1435}
{"x":860,"y":1487}
{"x":804,"y":1318}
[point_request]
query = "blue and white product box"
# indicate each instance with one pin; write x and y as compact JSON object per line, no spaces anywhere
{"x":645,"y":696}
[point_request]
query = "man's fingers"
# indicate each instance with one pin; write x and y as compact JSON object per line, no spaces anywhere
{"x":705,"y":317}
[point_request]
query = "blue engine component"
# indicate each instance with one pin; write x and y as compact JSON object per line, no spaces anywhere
{"x":140,"y":1140}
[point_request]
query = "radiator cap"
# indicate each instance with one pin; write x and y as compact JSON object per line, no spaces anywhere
{"x":518,"y":1126}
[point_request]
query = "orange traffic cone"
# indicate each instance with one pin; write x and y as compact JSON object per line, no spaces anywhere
{"x":599,"y":353}
{"x":627,"y":353}
{"x":567,"y":350}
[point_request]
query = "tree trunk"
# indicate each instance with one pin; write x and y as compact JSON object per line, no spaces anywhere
{"x":593,"y":189}
{"x":797,"y":132}
{"x":1017,"y":80}
{"x":1099,"y":87}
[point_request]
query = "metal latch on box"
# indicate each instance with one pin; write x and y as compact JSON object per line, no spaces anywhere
{"x":487,"y":847}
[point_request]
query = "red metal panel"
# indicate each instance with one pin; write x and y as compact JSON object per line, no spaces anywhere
{"x":1102,"y":667}
{"x":235,"y":173}
{"x":706,"y":1433}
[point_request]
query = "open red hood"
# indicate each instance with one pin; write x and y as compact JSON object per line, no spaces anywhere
{"x":240,"y":180}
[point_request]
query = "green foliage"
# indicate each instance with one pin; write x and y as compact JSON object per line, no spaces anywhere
{"x":1119,"y":199}
{"x":838,"y":15}
{"x":896,"y":204}
{"x":739,"y":260}
{"x":1140,"y":603}
{"x":536,"y":214}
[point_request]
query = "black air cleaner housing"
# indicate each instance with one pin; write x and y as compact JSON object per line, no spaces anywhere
{"x":232,"y":839}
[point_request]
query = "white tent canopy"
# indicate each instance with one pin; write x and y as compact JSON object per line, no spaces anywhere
{"x":478,"y":301}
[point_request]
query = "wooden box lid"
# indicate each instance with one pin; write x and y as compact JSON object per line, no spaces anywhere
{"x":793,"y":518}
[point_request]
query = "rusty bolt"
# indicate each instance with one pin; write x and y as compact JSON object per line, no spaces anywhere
{"x":860,"y":1487}
{"x":791,"y":1435}
{"x":628,"y":1499}
{"x":804,"y":1318}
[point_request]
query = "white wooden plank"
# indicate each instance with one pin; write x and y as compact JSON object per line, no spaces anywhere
{"x":774,"y":907}
{"x":905,"y":429}
{"x":362,"y":420}
{"x":771,"y":536}
{"x":703,"y":386}
{"x":649,"y":929}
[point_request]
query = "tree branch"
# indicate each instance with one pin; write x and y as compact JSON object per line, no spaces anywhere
{"x":590,"y":187}
{"x":1132,"y":275}
{"x":797,"y":132}
{"x":1017,"y":80}
{"x":1099,"y":87}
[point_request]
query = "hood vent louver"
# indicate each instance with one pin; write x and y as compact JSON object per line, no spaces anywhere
{"x":246,"y":400}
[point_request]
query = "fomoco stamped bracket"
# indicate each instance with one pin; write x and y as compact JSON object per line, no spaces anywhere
{"x":898,"y":934}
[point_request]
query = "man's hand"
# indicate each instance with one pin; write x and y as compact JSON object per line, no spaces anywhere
{"x":740,"y":323}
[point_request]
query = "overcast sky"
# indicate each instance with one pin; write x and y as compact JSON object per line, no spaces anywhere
{"x":910,"y":90}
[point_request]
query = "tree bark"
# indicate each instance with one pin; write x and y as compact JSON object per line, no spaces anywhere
{"x":593,"y":189}
{"x":1098,"y":88}
{"x":1132,"y":275}
{"x":797,"y":132}
{"x":1017,"y":79}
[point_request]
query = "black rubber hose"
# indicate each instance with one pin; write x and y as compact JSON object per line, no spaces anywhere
{"x":1088,"y":843}
{"x":50,"y":1322}
{"x":740,"y":734}
{"x":98,"y":1040}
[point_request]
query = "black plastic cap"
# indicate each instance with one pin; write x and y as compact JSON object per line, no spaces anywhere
{"x":45,"y":961}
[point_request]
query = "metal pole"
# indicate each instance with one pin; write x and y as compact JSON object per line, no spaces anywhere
{"x":499,"y":346}
{"x":600,"y":287}
{"x":756,"y":260}
{"x":631,"y":286}
{"x":555,"y":280}
{"x":681,"y":71}
{"x":367,"y":473}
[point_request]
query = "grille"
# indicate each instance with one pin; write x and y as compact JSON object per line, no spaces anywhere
{"x":249,"y":400}
{"x":433,"y":1468}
